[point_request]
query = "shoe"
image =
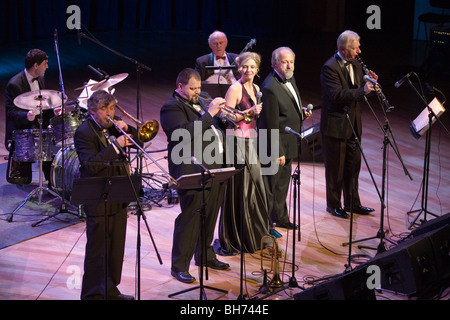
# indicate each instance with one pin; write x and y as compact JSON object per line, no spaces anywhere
{"x":288,"y":225}
{"x":338,"y":212}
{"x":121,"y":296}
{"x":183,"y":276}
{"x":216,"y":264}
{"x":361,"y":210}
{"x":274,"y":233}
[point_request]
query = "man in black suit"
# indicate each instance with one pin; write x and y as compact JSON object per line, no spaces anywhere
{"x":94,"y":151}
{"x":29,"y":79}
{"x":342,"y":88}
{"x":282,"y":108}
{"x":185,"y":122}
{"x":217,"y":58}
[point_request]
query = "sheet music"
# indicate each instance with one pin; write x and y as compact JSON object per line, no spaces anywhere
{"x":421,"y":123}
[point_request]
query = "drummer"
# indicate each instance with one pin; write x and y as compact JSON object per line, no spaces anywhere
{"x":29,"y":79}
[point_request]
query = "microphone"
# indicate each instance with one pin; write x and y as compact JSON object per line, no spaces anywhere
{"x":258,"y":97}
{"x":400,"y":82}
{"x":113,"y":140}
{"x":368,"y":78}
{"x":197,"y":163}
{"x":78,"y":35}
{"x":97,"y":72}
{"x":289,"y":130}
{"x":309,"y":107}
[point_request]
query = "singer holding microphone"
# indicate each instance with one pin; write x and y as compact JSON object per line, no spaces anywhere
{"x":181,"y":117}
{"x":282,"y":108}
{"x":245,"y":196}
{"x":96,"y":145}
{"x":343,"y":86}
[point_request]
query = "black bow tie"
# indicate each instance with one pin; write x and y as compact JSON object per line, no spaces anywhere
{"x":34,"y":79}
{"x":287,"y":81}
{"x":346,"y":63}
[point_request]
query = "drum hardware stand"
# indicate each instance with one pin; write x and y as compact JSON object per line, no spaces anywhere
{"x":39,"y":190}
{"x":426,"y":165}
{"x":63,"y":207}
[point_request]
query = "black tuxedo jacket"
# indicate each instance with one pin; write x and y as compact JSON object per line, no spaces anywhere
{"x":16,"y":118}
{"x":175,"y":114}
{"x":279,"y":111}
{"x":208,"y":60}
{"x":92,"y":149}
{"x":340,"y":96}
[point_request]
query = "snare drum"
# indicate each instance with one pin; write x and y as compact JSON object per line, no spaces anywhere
{"x":72,"y":121}
{"x":71,"y":171}
{"x":26,"y":142}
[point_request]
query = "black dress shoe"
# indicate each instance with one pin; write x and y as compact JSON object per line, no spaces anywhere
{"x":288,"y":225}
{"x":183,"y":276}
{"x":361,"y":210}
{"x":338,"y":212}
{"x":216,"y":264}
{"x":121,"y":296}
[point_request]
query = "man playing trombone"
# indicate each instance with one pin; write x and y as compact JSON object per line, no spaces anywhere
{"x":95,"y":146}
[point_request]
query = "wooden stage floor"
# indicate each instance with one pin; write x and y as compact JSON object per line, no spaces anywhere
{"x":49,"y":267}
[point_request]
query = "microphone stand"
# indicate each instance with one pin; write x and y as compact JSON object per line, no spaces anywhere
{"x":426,"y":165}
{"x":63,"y":208}
{"x":358,"y":144}
{"x":386,"y":131}
{"x":139,"y":68}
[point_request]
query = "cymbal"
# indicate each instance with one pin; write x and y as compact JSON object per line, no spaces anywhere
{"x":32,"y":100}
{"x":111,"y":81}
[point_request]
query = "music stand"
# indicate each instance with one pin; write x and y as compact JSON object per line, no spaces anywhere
{"x":215,"y":89}
{"x":95,"y":190}
{"x":202,"y":180}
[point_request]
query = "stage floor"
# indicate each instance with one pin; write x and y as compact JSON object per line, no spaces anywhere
{"x":50,"y":266}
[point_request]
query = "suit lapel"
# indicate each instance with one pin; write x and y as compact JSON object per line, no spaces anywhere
{"x":289,"y":93}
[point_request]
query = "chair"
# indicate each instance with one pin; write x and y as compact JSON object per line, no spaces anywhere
{"x":434,"y":18}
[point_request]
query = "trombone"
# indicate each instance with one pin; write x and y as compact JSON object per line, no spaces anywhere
{"x":146,"y":131}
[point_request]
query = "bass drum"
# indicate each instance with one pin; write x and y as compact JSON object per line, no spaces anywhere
{"x":71,"y":171}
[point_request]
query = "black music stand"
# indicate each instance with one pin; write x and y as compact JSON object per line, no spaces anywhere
{"x":96,"y":190}
{"x":202,"y":180}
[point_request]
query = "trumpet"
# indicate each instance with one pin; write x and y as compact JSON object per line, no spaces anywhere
{"x":227,"y":112}
{"x":146,"y":131}
{"x":248,"y":116}
{"x":276,"y":281}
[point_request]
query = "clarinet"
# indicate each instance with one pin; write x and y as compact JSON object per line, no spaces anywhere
{"x":377,"y":88}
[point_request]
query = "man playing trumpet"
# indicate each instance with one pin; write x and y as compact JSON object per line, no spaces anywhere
{"x":180,"y":116}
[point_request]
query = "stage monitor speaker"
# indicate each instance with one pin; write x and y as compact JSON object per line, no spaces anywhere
{"x":432,"y":224}
{"x":311,"y":145}
{"x":348,"y":286}
{"x":416,"y":266}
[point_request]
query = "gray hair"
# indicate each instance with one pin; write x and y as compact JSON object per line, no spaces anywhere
{"x":276,"y":54}
{"x":215,"y":35}
{"x":99,"y":99}
{"x":345,"y":38}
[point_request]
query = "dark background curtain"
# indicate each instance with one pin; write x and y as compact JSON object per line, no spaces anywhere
{"x":23,"y":20}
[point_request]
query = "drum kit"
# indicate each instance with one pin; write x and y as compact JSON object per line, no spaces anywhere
{"x":54,"y":143}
